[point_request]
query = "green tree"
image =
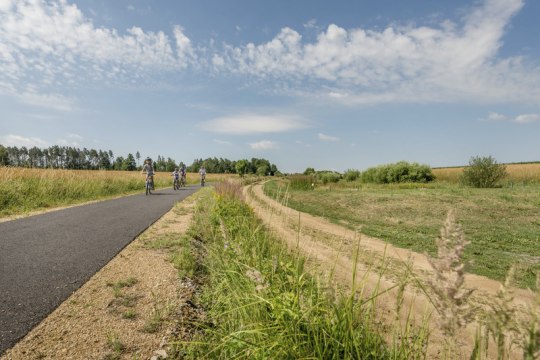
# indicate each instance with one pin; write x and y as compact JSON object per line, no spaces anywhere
{"x":483,"y":172}
{"x":118,"y":163}
{"x":262,"y":170}
{"x":129,"y":163}
{"x":138,"y":157}
{"x":4,"y":158}
{"x":309,"y":171}
{"x":170,"y":165}
{"x":242,"y":167}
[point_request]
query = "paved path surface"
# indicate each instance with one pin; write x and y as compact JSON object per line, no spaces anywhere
{"x":45,"y":258}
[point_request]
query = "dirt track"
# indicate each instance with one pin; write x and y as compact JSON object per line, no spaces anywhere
{"x":330,"y":248}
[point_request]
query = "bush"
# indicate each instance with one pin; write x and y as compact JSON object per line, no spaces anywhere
{"x":351,"y":175}
{"x":329,"y":177}
{"x":309,"y":171}
{"x":483,"y":172}
{"x":398,"y":172}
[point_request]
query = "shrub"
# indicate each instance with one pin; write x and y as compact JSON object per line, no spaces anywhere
{"x":309,"y":171}
{"x":402,"y":171}
{"x":483,"y":172}
{"x":351,"y":175}
{"x":329,"y":177}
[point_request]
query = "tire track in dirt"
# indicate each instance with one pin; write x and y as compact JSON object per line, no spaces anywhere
{"x":329,"y":249}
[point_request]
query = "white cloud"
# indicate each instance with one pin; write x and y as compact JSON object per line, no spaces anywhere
{"x":493,"y":116}
{"x":520,"y":119}
{"x":336,"y":95}
{"x":5,"y":5}
{"x":51,"y":101}
{"x":18,"y":140}
{"x":70,"y":140}
{"x":324,"y":137}
{"x":253,"y":124}
{"x":445,"y":63}
{"x":264,"y":145}
{"x":527,"y":118}
{"x":184,"y":50}
{"x":311,"y":24}
{"x":46,"y":43}
{"x":52,"y":43}
{"x":75,"y":136}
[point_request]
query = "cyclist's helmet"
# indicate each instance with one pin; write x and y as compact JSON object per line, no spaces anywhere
{"x":147,"y":159}
{"x":175,"y":169}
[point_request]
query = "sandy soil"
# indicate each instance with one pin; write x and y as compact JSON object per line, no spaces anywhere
{"x":330,"y":248}
{"x":124,"y":311}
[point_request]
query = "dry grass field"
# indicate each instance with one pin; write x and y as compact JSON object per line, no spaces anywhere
{"x":524,"y":173}
{"x":23,"y":190}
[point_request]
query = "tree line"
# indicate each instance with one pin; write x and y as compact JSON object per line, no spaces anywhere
{"x":67,"y":157}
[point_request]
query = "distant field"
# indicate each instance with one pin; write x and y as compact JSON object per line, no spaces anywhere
{"x":23,"y":190}
{"x":516,"y":173}
{"x":503,"y":224}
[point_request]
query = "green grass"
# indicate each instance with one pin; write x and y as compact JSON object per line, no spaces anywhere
{"x":261,"y":304}
{"x":502,"y":224}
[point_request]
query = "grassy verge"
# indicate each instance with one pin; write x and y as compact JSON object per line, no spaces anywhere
{"x":261,"y":304}
{"x":502,"y":223}
{"x":23,"y":190}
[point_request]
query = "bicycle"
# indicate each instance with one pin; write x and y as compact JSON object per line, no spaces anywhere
{"x":149,"y":184}
{"x":176,"y":183}
{"x":183,"y":181}
{"x":203,"y":180}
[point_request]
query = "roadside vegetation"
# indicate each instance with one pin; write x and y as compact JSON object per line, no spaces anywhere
{"x":23,"y":190}
{"x":260,"y":300}
{"x":501,"y":223}
{"x":261,"y":303}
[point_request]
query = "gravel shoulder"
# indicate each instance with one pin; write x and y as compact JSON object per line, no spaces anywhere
{"x":125,"y":310}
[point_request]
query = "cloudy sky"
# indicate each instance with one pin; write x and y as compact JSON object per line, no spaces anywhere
{"x":325,"y":84}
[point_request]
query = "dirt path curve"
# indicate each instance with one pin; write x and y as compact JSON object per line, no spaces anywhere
{"x":44,"y":258}
{"x":330,"y":248}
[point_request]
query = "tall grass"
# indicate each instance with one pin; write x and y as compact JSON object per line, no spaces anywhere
{"x":23,"y":190}
{"x":302,"y":182}
{"x":261,"y":303}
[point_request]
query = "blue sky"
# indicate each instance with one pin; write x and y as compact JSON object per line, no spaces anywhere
{"x":330,"y":85}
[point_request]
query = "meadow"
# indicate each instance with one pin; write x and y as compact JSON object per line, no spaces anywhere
{"x":23,"y":190}
{"x":502,"y":224}
{"x":263,"y":297}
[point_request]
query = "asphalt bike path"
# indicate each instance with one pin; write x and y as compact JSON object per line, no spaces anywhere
{"x":45,"y":258}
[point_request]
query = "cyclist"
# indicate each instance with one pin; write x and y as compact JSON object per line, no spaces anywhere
{"x":183,"y":175}
{"x":176,"y":177}
{"x":202,"y":172}
{"x":148,"y":168}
